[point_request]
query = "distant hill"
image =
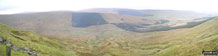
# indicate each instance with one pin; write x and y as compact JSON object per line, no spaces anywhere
{"x":106,"y":34}
{"x":47,"y":24}
{"x":64,"y":23}
{"x":168,"y":14}
{"x":174,"y":16}
{"x":87,"y":19}
{"x":179,"y":42}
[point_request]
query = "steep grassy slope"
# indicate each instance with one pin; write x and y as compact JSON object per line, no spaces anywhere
{"x":199,"y":38}
{"x":179,"y":42}
{"x":22,"y":41}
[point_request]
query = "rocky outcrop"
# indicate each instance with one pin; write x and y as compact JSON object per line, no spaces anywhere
{"x":10,"y":46}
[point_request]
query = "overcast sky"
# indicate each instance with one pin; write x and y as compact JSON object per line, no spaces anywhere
{"x":20,"y":6}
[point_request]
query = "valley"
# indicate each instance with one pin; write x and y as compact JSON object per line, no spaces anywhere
{"x":110,"y":32}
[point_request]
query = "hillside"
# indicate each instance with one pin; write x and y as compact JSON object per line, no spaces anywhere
{"x":173,"y":16}
{"x":155,"y":14}
{"x":104,"y":34}
{"x":117,"y":42}
{"x":62,"y":23}
{"x":179,"y":42}
{"x":24,"y":43}
{"x":199,"y":38}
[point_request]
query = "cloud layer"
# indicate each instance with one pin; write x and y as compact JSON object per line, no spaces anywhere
{"x":21,"y":6}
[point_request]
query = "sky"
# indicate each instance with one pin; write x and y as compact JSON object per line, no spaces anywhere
{"x":23,"y":6}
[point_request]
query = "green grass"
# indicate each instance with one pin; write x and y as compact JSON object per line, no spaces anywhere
{"x":178,"y":42}
{"x":201,"y":37}
{"x":44,"y":46}
{"x":2,"y":50}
